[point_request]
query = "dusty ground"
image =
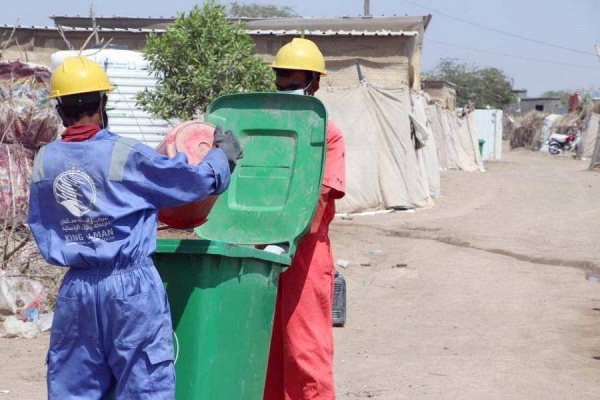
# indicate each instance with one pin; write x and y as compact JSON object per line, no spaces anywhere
{"x":482,"y":297}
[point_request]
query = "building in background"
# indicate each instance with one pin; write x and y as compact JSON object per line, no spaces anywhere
{"x":548,"y":105}
{"x":443,"y":92}
{"x":523,"y":104}
{"x":383,"y":51}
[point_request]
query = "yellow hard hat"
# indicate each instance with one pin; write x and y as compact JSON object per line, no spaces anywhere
{"x":78,"y":75}
{"x":300,"y":54}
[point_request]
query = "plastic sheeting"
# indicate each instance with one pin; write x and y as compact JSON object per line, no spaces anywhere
{"x":16,"y":163}
{"x":17,"y":289}
{"x":456,"y":139}
{"x":26,"y":115}
{"x":382,"y":167}
{"x":27,"y":121}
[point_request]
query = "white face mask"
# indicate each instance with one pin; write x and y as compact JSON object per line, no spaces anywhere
{"x":297,"y":91}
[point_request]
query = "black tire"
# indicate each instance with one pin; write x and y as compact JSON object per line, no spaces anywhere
{"x":554,"y":149}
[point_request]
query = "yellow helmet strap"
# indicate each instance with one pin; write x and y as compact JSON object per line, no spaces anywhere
{"x":81,"y":100}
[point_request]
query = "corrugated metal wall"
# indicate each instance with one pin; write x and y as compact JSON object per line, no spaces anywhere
{"x":126,"y":118}
{"x":489,"y":128}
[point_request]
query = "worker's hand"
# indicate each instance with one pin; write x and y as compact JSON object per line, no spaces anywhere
{"x":227,"y":142}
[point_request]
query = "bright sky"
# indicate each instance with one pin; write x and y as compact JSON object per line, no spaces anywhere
{"x":568,"y":24}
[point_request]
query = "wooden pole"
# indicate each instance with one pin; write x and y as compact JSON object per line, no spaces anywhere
{"x":94,"y":27}
{"x":597,"y":144}
{"x":596,"y":149}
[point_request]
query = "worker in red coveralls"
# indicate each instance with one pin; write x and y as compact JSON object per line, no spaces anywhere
{"x":301,"y":357}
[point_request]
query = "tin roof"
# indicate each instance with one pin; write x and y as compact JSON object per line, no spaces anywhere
{"x":254,"y":32}
{"x":371,"y":24}
{"x":393,"y":23}
{"x":296,"y":32}
{"x":80,"y":29}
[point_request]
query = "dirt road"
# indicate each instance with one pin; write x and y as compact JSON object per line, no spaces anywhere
{"x":482,"y":297}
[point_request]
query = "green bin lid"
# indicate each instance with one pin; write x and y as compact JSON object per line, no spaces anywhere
{"x":275,"y":187}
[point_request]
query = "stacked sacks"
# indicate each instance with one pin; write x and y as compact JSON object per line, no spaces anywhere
{"x":194,"y":139}
{"x":27,"y":122}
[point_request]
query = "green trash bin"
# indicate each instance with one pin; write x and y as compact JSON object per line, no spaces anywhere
{"x":481,"y":143}
{"x":222,"y":289}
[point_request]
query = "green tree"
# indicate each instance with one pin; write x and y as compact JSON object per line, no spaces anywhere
{"x":482,"y":86}
{"x":254,"y":10}
{"x":563,"y":94}
{"x":199,"y":58}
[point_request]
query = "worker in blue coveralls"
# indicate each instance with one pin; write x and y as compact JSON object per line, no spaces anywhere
{"x":93,"y":207}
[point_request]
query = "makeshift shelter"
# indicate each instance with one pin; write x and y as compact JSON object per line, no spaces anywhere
{"x":382,"y":167}
{"x":427,"y":150}
{"x":456,"y":139}
{"x":589,"y":135}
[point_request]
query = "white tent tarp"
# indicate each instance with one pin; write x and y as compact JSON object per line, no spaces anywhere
{"x":456,"y":139}
{"x":427,"y":155}
{"x":589,"y":135}
{"x":382,"y":169}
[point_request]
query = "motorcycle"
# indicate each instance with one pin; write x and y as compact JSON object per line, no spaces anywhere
{"x":559,"y":142}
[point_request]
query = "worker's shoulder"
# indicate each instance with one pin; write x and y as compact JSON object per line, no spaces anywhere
{"x":333,"y":131}
{"x":109,"y":136}
{"x":128,"y":144}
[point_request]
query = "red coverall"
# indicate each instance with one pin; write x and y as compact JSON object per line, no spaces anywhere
{"x":301,"y":356}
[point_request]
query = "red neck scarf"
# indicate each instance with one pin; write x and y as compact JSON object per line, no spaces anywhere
{"x":79,"y":133}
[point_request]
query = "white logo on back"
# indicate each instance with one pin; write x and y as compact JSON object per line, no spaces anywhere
{"x":75,"y":191}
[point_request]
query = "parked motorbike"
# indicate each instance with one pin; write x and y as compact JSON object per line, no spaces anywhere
{"x":559,"y":142}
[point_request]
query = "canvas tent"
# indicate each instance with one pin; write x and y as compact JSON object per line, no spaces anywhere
{"x":589,"y":135}
{"x":456,"y":139}
{"x":427,"y":154}
{"x":382,"y":167}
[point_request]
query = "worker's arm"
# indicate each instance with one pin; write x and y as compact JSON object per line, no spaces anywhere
{"x":321,"y":204}
{"x":167,"y":182}
{"x":333,"y":186}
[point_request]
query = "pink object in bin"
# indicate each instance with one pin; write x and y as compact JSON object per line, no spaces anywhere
{"x":195,"y":139}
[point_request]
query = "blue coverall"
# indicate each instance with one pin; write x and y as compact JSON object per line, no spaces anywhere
{"x":93,"y":208}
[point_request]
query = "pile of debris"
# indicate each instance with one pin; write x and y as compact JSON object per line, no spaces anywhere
{"x":27,"y":122}
{"x":534,"y":129}
{"x":570,"y":123}
{"x":526,"y":131}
